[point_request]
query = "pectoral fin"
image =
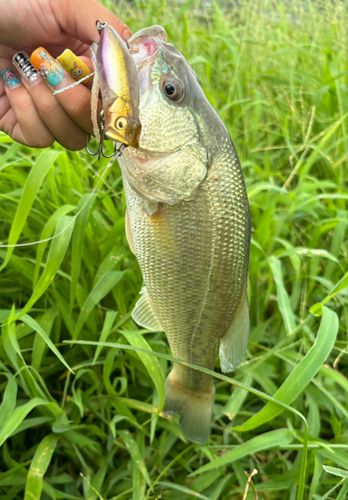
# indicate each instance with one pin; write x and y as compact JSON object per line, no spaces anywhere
{"x":144,"y":315}
{"x":234,"y":343}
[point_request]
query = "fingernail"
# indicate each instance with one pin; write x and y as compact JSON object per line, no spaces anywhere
{"x":22,"y":63}
{"x":73,"y":65}
{"x":49,"y":68}
{"x":10,"y":78}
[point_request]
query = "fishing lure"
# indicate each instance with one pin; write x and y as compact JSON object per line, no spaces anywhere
{"x":115,"y":75}
{"x":118,"y":82}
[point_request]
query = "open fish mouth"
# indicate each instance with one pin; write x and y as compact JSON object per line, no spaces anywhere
{"x":144,"y":47}
{"x":145,"y":43}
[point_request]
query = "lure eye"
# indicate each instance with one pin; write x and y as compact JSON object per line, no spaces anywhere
{"x":172,"y":89}
{"x":121,"y":122}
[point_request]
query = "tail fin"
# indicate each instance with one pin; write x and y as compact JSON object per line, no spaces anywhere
{"x":196,"y":409}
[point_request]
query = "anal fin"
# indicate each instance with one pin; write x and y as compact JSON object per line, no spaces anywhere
{"x":234,"y":343}
{"x":144,"y":315}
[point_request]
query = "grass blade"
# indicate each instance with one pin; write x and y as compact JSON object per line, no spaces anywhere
{"x":302,"y":374}
{"x":183,"y":489}
{"x":32,"y":186}
{"x":134,"y":452}
{"x":78,"y":242}
{"x":9,"y":399}
{"x":151,"y":364}
{"x":283,"y":298}
{"x":55,"y":257}
{"x":102,"y":288}
{"x":47,"y":233}
{"x":266,"y":441}
{"x":46,"y":322}
{"x":109,"y":321}
{"x":316,"y":309}
{"x":237,"y":398}
{"x":18,"y":416}
{"x":343,"y":492}
{"x":28,"y":320}
{"x":336,"y":472}
{"x":39,"y":466}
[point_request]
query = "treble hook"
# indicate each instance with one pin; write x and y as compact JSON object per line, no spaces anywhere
{"x":100,"y":152}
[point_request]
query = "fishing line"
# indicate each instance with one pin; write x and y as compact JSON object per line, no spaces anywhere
{"x":73,"y":84}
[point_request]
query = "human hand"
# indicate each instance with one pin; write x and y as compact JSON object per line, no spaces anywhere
{"x":31,"y":114}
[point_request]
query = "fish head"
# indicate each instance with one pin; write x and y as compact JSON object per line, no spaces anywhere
{"x":119,"y":88}
{"x":179,"y":126}
{"x":169,"y":86}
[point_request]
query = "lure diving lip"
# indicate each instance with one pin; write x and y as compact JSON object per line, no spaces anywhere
{"x":119,"y":88}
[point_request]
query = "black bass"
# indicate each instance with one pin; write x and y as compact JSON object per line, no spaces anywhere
{"x":188,"y":224}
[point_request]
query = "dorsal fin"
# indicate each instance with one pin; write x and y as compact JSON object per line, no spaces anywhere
{"x":144,"y":315}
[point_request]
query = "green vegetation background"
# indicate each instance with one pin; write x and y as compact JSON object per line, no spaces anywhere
{"x":277,"y":74}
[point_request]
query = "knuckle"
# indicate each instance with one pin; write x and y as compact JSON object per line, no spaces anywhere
{"x":48,"y":107}
{"x":40,"y":140}
{"x":79,"y":107}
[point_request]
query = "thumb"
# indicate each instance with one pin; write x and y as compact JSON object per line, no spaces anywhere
{"x":77,"y":18}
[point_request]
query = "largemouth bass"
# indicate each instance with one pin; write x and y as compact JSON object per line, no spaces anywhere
{"x":188,"y":224}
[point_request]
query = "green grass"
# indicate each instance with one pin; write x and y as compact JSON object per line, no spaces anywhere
{"x":278,"y":76}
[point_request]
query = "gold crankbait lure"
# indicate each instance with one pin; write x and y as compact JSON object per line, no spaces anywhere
{"x":118,"y":82}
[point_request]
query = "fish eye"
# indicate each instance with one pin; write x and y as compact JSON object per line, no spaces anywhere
{"x":172,"y":89}
{"x":121,"y":122}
